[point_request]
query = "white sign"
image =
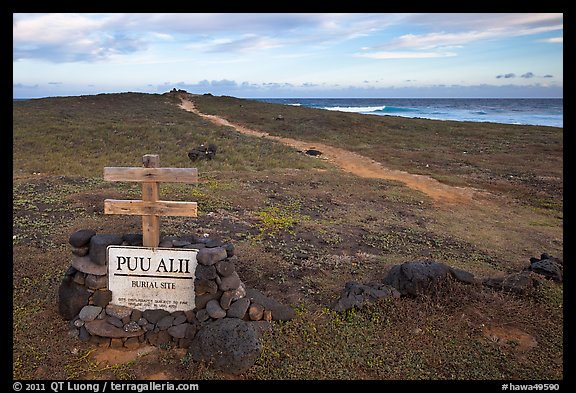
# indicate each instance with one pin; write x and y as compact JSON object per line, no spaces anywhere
{"x":152,"y":278}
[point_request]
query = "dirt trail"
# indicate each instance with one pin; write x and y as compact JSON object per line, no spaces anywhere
{"x":357,"y":164}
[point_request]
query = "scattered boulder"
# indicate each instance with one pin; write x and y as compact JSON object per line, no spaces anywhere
{"x":520,"y":283}
{"x":547,"y":266}
{"x":313,"y":152}
{"x":357,"y":295}
{"x":202,"y":151}
{"x":230,"y":345}
{"x":420,"y":277}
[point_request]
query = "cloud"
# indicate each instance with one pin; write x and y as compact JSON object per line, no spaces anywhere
{"x":553,"y":40}
{"x":488,"y":21}
{"x":75,"y":37}
{"x":437,"y":39}
{"x":23,"y":86}
{"x":209,"y":23}
{"x":96,"y":37}
{"x":69,"y":38}
{"x":453,"y":31}
{"x":526,"y":75}
{"x":405,"y":55}
{"x":246,"y":43}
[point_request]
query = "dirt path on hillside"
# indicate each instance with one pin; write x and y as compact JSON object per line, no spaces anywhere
{"x":355,"y":163}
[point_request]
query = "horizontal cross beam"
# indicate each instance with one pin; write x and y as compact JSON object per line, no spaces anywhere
{"x":137,"y":174}
{"x":150,"y":208}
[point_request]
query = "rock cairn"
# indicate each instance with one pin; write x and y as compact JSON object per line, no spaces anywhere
{"x":84,"y":298}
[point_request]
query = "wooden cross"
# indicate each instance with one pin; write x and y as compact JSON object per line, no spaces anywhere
{"x":151,"y":207}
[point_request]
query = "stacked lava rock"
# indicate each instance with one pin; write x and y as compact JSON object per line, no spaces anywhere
{"x":84,"y":297}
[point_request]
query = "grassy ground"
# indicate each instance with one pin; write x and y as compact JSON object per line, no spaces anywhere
{"x":302,"y":229}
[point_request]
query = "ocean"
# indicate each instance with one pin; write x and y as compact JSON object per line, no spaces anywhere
{"x":529,"y":111}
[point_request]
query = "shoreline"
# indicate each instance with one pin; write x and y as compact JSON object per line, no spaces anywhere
{"x":449,"y":109}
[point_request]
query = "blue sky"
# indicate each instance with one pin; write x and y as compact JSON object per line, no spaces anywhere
{"x":290,"y":55}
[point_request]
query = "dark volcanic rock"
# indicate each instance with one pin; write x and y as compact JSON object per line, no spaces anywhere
{"x":165,"y":322}
{"x":549,"y":267}
{"x":80,"y":251}
{"x":89,"y":313}
{"x":153,"y":316}
{"x":178,"y":331}
{"x":357,"y":295}
{"x":280,"y":312}
{"x":419,"y":277}
{"x":313,"y":152}
{"x":133,"y":239}
{"x":102,"y":298}
{"x":521,"y":283}
{"x":230,"y":282}
{"x":225,"y":268}
{"x":463,"y":276}
{"x":209,"y":256}
{"x":96,"y":282}
{"x":202,"y":300}
{"x":231,"y":345}
{"x":85,"y":265}
{"x":81,"y":238}
{"x":98,"y":244}
{"x":72,"y":297}
{"x":205,"y":272}
{"x":101,"y":327}
{"x":202,"y":287}
{"x":214,"y":310}
{"x":238,"y":308}
{"x":229,"y":247}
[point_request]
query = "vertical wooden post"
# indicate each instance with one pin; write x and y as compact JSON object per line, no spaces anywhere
{"x":151,"y":193}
